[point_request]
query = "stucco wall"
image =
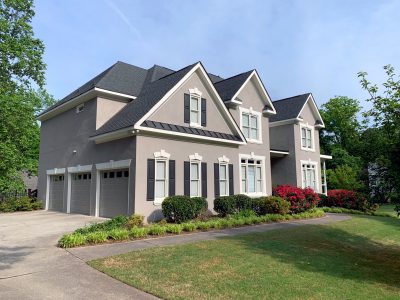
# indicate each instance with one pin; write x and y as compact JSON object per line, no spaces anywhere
{"x":107,"y":108}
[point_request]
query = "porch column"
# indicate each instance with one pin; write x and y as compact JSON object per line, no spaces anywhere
{"x":325,"y":183}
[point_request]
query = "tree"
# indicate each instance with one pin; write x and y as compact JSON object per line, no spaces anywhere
{"x":21,"y":73}
{"x":344,"y":177}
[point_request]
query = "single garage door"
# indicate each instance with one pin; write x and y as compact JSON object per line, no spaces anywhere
{"x":113,"y":193}
{"x":80,"y":193}
{"x":56,"y":192}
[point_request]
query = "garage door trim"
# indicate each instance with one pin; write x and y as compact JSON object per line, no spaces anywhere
{"x":111,"y":165}
{"x":55,"y":171}
{"x":73,"y":170}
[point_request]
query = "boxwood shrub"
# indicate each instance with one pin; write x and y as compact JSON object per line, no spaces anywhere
{"x":271,"y":205}
{"x":182,"y":208}
{"x":229,"y":205}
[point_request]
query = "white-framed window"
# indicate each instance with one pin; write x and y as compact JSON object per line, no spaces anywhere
{"x":161,"y":170}
{"x":250,"y":121}
{"x":223,"y":179}
{"x":195,"y":110}
{"x":80,"y":108}
{"x":309,"y":175}
{"x":307,"y":137}
{"x":195,"y":179}
{"x":252,"y":175}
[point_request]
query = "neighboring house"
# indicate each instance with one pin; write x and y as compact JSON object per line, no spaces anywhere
{"x":130,"y":137}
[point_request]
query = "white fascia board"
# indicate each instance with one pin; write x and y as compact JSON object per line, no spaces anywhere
{"x":78,"y":169}
{"x":118,"y":164}
{"x":55,"y":171}
{"x":314,"y":109}
{"x":279,"y":152}
{"x":90,"y":94}
{"x":325,"y":157}
{"x":285,"y":122}
{"x":198,"y":66}
{"x":113,"y":135}
{"x":189,"y":136}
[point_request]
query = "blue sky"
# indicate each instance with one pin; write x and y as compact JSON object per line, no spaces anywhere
{"x":296,"y":46}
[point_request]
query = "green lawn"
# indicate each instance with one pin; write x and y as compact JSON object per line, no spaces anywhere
{"x":387,"y":208}
{"x":355,"y":259}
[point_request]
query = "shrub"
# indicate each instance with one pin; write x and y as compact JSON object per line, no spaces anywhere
{"x":97,"y":237}
{"x":20,"y":204}
{"x":244,"y":214}
{"x":182,"y":208}
{"x":138,"y":232}
{"x":242,"y":202}
{"x":72,"y":240}
{"x":229,"y":205}
{"x":118,"y":234}
{"x":157,"y":230}
{"x":271,"y":205}
{"x":204,"y":225}
{"x":189,"y":227}
{"x":300,"y":199}
{"x":135,"y":221}
{"x":174,"y":228}
{"x":347,"y":199}
{"x":114,"y":223}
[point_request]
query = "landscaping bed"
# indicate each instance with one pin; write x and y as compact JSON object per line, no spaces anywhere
{"x":20,"y":204}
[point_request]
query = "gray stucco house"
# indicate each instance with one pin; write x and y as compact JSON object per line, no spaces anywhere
{"x":129,"y":137}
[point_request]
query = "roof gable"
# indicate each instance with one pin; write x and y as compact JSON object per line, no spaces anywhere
{"x":227,"y":88}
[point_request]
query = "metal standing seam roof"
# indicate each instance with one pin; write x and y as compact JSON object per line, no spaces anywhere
{"x":288,"y":108}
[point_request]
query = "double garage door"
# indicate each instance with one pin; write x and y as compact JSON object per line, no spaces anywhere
{"x":113,"y":193}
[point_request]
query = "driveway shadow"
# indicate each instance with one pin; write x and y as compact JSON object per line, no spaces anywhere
{"x":12,"y":255}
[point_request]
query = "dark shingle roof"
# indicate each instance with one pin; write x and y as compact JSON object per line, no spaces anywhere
{"x":288,"y":108}
{"x":227,"y":88}
{"x":190,"y":130}
{"x":120,"y":77}
{"x":149,"y":96}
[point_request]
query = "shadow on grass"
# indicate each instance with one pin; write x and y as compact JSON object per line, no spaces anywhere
{"x":333,"y":251}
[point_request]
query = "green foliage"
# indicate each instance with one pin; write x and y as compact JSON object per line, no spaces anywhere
{"x":189,"y":227}
{"x":96,"y":237}
{"x":242,"y":202}
{"x":174,"y":228}
{"x":118,"y":234}
{"x":20,"y":204}
{"x":72,"y":240}
{"x":271,"y":205}
{"x":356,"y":212}
{"x":244,"y":214}
{"x":157,"y":230}
{"x":114,"y":223}
{"x":138,"y":232}
{"x":135,"y":220}
{"x":182,"y":208}
{"x":229,"y":205}
{"x":343,"y":177}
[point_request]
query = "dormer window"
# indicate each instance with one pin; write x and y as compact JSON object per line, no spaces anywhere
{"x":195,"y":114}
{"x":80,"y":108}
{"x":307,"y":137}
{"x":195,"y":110}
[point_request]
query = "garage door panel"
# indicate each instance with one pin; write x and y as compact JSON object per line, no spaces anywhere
{"x":113,"y":193}
{"x":80,"y":193}
{"x":56,"y":193}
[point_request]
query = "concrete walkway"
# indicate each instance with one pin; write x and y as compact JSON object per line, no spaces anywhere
{"x":94,"y":252}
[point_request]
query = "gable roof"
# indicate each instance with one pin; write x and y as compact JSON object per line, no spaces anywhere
{"x":227,"y":88}
{"x":149,"y":96}
{"x":120,"y":78}
{"x":289,"y":108}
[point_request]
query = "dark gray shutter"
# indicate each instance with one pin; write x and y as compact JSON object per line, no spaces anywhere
{"x":203,"y":112}
{"x":231,"y":189}
{"x":150,"y":179}
{"x":204,"y":180}
{"x":171,"y":179}
{"x":186,"y":108}
{"x":216,"y":180}
{"x":186,"y":178}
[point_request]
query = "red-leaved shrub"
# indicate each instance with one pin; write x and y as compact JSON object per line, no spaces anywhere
{"x":346,"y":199}
{"x":300,"y":199}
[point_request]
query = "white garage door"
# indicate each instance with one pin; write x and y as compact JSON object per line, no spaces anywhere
{"x":113,"y":193}
{"x":56,"y":192}
{"x":80,"y":193}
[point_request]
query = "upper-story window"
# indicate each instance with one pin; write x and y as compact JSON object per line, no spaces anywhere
{"x":80,"y":108}
{"x":195,"y":113}
{"x":251,"y":125}
{"x":307,"y":137}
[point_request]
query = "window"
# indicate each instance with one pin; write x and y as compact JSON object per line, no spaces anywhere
{"x":80,"y":108}
{"x":307,"y":141}
{"x":251,"y":176}
{"x":223,"y":180}
{"x":251,"y":125}
{"x":195,"y":110}
{"x":161,"y":188}
{"x":309,"y":176}
{"x":195,"y":179}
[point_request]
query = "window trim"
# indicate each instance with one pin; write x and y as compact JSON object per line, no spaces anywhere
{"x":311,"y":128}
{"x":251,"y":112}
{"x":164,"y":157}
{"x":315,"y":164}
{"x":226,"y":180}
{"x":195,"y":93}
{"x":195,"y":159}
{"x":263,"y":173}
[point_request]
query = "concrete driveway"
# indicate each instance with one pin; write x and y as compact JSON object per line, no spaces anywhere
{"x":32,"y":267}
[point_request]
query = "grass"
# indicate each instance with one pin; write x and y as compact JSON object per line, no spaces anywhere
{"x":354,"y":259}
{"x":387,"y":208}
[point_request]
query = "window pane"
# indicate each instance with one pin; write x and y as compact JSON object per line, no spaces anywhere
{"x":222,"y":172}
{"x":259,"y":188}
{"x":251,"y":179}
{"x":194,"y":171}
{"x":194,"y":188}
{"x":244,"y":172}
{"x":246,"y":132}
{"x":254,"y":122}
{"x":222,"y":188}
{"x":194,"y":104}
{"x":303,"y":133}
{"x":254,"y":134}
{"x":194,"y":117}
{"x":258,"y":170}
{"x":245,"y":120}
{"x":303,"y":142}
{"x":160,"y":189}
{"x":160,"y":170}
{"x":244,"y":190}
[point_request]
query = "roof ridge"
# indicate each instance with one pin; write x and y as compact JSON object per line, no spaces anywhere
{"x":176,"y":71}
{"x":291,"y":97}
{"x":234,"y":76}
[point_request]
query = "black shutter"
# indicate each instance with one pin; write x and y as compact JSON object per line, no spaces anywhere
{"x":231,"y":189}
{"x":216,"y":180}
{"x":203,"y":112}
{"x":186,"y":178}
{"x":186,"y":107}
{"x":204,"y":180}
{"x":150,"y":179}
{"x":171,"y":184}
